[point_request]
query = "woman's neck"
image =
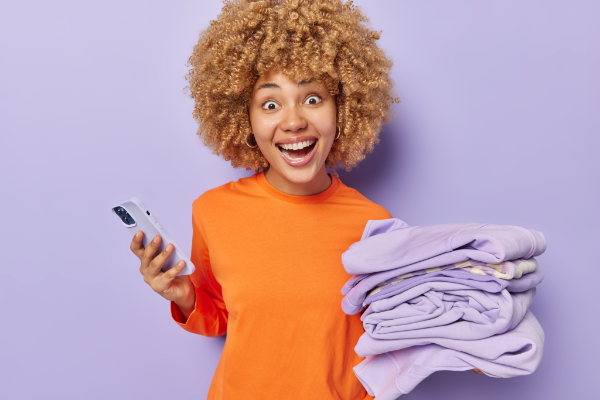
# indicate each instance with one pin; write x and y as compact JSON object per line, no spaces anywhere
{"x":318,"y":184}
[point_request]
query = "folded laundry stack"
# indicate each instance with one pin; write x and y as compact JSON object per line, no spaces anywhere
{"x":443,"y":297}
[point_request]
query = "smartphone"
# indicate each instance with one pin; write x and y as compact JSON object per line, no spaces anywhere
{"x":135,"y":216}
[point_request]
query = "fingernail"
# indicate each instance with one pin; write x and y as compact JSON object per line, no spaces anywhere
{"x":138,"y":234}
{"x":169,"y":246}
{"x":156,"y":239}
{"x":180,"y":263}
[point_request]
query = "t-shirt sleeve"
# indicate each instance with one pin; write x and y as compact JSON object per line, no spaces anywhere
{"x":209,"y":317}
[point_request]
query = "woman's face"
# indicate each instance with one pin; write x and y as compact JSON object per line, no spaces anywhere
{"x":294,"y":123}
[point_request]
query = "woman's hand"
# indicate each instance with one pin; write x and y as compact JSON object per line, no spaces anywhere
{"x":178,"y":289}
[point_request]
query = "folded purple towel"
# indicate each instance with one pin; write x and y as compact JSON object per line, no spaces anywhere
{"x":391,"y":244}
{"x":370,"y":289}
{"x":440,"y":310}
{"x":514,"y":353}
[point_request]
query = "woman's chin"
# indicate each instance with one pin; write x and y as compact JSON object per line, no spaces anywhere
{"x":299,"y":174}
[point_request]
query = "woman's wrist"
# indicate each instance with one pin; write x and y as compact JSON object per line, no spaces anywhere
{"x":187,"y":306}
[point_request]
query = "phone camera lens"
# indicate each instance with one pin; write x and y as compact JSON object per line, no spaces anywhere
{"x":124,"y":215}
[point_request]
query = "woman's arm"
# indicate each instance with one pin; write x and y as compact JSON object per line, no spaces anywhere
{"x":203,"y":311}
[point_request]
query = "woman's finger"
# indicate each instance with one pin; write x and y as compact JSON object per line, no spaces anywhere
{"x":148,"y":255}
{"x":136,"y":244}
{"x":150,"y":250}
{"x":158,"y":261}
{"x":172,"y":273}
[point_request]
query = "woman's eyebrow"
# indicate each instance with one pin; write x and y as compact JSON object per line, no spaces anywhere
{"x":268,"y":86}
{"x":306,"y":81}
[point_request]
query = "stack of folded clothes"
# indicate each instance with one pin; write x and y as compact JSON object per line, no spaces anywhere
{"x":443,"y":297}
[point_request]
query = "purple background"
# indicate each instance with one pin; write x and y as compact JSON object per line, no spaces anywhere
{"x":498,"y":123}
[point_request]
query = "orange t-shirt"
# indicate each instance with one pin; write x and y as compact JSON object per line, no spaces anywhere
{"x":269,"y":274}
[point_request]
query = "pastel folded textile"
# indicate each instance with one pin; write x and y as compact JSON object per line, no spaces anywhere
{"x":482,"y":282}
{"x":391,"y":244}
{"x":514,"y":353}
{"x":439,"y":310}
{"x":510,"y":269}
{"x":369,"y":289}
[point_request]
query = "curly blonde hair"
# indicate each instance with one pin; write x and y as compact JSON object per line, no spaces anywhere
{"x":325,"y":39}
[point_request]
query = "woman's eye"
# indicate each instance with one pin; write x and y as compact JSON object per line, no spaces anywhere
{"x":313,"y":100}
{"x":270,"y":105}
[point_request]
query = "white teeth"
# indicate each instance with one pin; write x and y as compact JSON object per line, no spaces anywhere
{"x":297,"y":146}
{"x":286,"y":154}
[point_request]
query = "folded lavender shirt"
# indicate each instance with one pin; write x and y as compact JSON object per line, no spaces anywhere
{"x":369,"y":289}
{"x":510,"y":269}
{"x":442,"y":310}
{"x":391,"y":244}
{"x":514,"y":353}
{"x":486,"y":283}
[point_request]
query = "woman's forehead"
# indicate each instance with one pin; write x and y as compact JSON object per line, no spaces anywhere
{"x":276,"y":74}
{"x":276,"y":79}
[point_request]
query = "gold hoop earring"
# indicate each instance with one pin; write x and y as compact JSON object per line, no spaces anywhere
{"x":338,"y":133}
{"x":252,"y":147}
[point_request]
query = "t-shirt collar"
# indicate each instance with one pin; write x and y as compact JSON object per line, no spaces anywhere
{"x":315,"y":198}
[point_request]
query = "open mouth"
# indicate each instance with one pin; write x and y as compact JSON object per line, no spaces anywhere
{"x":297,"y":151}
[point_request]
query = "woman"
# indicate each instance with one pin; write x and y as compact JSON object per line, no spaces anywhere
{"x":286,"y":88}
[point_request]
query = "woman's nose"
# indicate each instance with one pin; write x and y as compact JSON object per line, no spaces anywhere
{"x":293,"y":121}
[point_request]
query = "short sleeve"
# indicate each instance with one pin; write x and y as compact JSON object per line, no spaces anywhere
{"x":209,"y":317}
